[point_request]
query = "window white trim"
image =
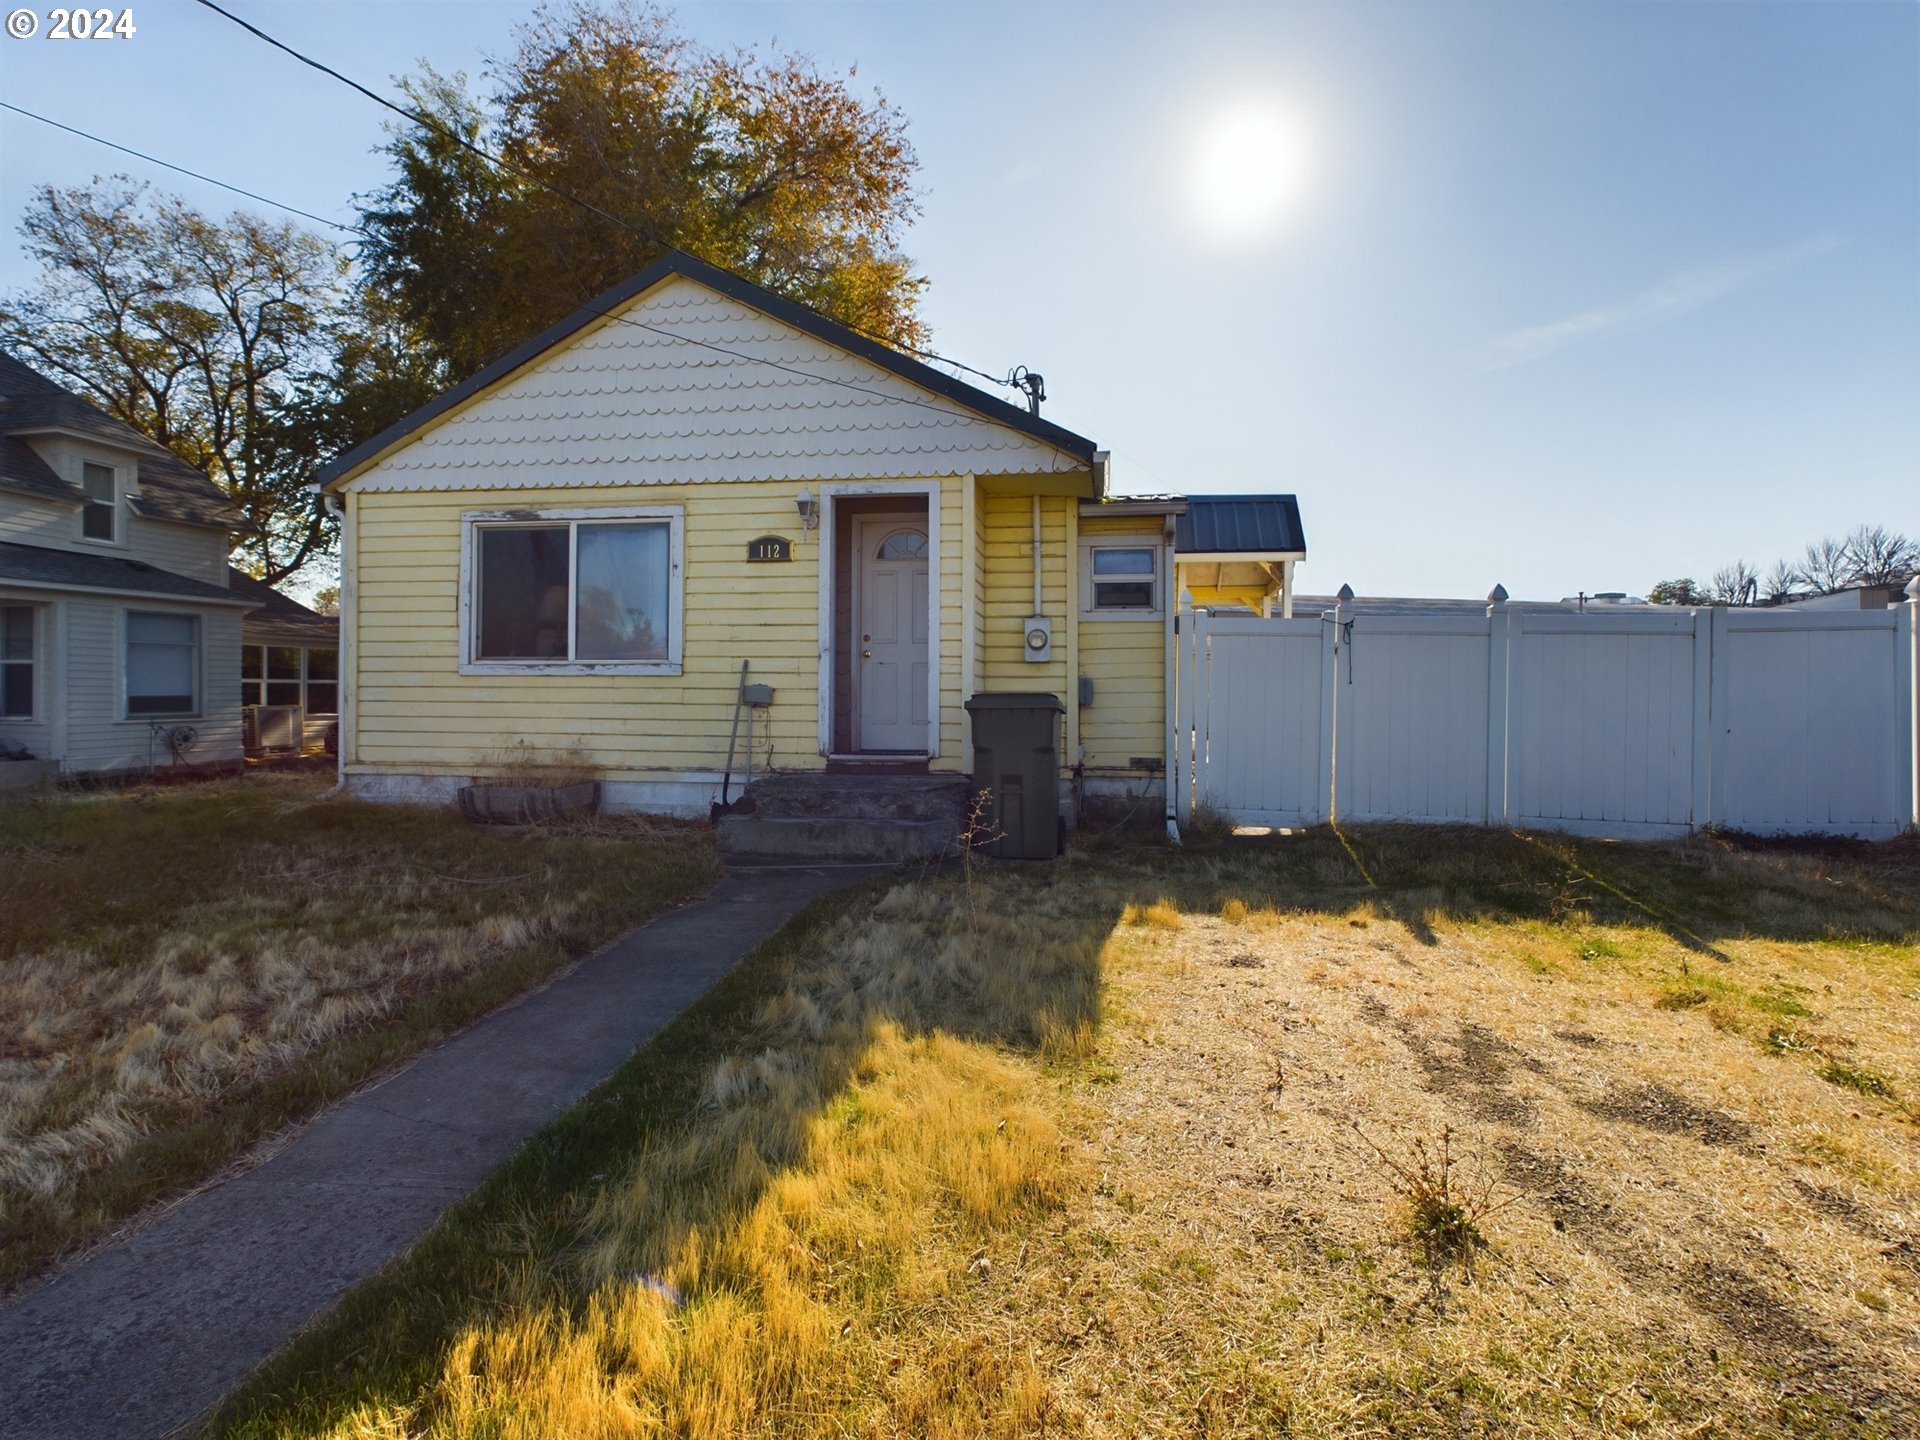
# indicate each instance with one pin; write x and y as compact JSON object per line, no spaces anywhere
{"x":36,"y":661}
{"x":118,"y":506}
{"x":1153,"y":546}
{"x":830,"y":493}
{"x":199,"y":707}
{"x":474,"y":521}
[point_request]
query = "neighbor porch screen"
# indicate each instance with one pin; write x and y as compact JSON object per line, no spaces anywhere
{"x":611,"y":579}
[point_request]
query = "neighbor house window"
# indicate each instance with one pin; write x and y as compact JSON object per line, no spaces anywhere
{"x":99,"y":520}
{"x":253,"y":674}
{"x":596,"y":591}
{"x":291,"y":675}
{"x":283,"y":675}
{"x":163,"y":663}
{"x":16,"y":661}
{"x":1122,"y":580}
{"x":323,"y":682}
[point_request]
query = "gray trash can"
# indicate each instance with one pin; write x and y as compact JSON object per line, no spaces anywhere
{"x":1016,"y":759}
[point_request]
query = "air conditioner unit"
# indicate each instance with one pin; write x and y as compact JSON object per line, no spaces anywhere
{"x":271,"y":729}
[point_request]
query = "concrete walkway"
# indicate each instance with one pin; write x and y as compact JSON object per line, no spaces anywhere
{"x":139,"y":1340}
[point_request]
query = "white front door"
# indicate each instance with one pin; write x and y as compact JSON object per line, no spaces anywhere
{"x":890,"y":633}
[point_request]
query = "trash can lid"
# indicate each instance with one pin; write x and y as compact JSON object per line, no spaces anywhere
{"x":1017,"y":700}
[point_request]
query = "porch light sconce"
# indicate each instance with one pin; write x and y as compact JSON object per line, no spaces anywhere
{"x":809,"y":510}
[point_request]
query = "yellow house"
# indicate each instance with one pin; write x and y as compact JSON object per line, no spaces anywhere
{"x":581,"y":547}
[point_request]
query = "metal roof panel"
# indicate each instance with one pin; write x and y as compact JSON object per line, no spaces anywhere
{"x":1240,"y":524}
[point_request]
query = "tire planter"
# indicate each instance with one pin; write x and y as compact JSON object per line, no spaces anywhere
{"x":528,"y":804}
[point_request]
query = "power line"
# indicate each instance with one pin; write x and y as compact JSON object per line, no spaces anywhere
{"x":810,"y":375}
{"x":179,"y":169}
{"x":426,"y":121}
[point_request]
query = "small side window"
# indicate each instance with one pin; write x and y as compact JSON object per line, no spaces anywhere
{"x":101,"y":518}
{"x":1123,"y":579}
{"x":16,"y":661}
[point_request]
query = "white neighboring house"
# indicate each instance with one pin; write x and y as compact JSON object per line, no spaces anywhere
{"x":119,"y":636}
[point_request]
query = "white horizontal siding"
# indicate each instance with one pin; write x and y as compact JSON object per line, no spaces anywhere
{"x":190,"y":550}
{"x":195,"y":551}
{"x":620,"y":404}
{"x":27,"y":521}
{"x":98,"y":737}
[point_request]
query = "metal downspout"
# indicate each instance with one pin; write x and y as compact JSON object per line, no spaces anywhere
{"x":1170,"y":599}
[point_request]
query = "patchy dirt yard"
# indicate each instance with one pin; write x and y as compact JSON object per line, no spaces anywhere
{"x":1395,"y":1133}
{"x":1700,"y":1132}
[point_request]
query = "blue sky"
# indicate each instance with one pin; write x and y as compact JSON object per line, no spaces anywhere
{"x":1568,"y":296}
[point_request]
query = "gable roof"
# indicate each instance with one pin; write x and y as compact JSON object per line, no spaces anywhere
{"x":281,"y":617}
{"x":745,"y":292}
{"x":170,"y":489}
{"x":1240,"y":525}
{"x":25,"y":473}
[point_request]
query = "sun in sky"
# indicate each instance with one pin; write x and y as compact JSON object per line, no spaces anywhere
{"x":1249,"y":168}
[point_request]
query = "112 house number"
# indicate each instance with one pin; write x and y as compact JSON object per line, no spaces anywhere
{"x":100,"y":24}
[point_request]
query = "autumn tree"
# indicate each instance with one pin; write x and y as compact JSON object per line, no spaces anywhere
{"x":1678,"y":592}
{"x":197,"y":332}
{"x":620,"y":139}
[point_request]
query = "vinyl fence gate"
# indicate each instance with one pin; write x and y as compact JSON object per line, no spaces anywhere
{"x":1630,"y":723}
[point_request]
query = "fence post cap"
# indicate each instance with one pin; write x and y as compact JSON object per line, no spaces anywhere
{"x":1345,"y":593}
{"x":1497,"y":595}
{"x":1912,"y":592}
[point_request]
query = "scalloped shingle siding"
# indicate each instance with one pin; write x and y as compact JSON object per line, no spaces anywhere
{"x":622,"y":404}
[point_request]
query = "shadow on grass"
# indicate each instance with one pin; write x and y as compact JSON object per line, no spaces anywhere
{"x":1698,"y":892}
{"x":654,"y":1189}
{"x":654,"y":1185}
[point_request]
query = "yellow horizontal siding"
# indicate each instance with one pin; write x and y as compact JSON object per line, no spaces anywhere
{"x":416,"y":711}
{"x":1126,"y":660}
{"x":1007,"y":598}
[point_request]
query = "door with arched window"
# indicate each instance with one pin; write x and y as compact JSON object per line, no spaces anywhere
{"x":890,"y":626}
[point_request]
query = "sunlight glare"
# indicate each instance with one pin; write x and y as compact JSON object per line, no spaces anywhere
{"x":1250,"y":167}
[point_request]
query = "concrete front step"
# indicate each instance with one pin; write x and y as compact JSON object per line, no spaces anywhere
{"x":759,"y":836}
{"x":846,"y":817}
{"x":874,"y":797}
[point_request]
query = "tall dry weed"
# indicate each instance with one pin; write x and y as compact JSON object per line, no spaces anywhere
{"x":842,"y":1180}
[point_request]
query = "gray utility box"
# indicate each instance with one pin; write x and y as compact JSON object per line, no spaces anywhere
{"x":1016,"y":759}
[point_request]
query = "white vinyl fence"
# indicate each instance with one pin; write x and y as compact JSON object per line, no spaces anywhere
{"x":1628,"y":723}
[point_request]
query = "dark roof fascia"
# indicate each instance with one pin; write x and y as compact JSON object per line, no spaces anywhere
{"x":39,"y":567}
{"x":734,"y":287}
{"x":61,"y":587}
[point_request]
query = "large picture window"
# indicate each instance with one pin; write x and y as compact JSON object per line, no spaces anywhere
{"x":591,"y":590}
{"x":163,"y":663}
{"x":16,"y":662}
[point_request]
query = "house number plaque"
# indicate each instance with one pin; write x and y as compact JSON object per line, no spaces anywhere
{"x":770,"y":547}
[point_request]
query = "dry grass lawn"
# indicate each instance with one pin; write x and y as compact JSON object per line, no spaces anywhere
{"x":1118,"y":1147}
{"x":183,"y":970}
